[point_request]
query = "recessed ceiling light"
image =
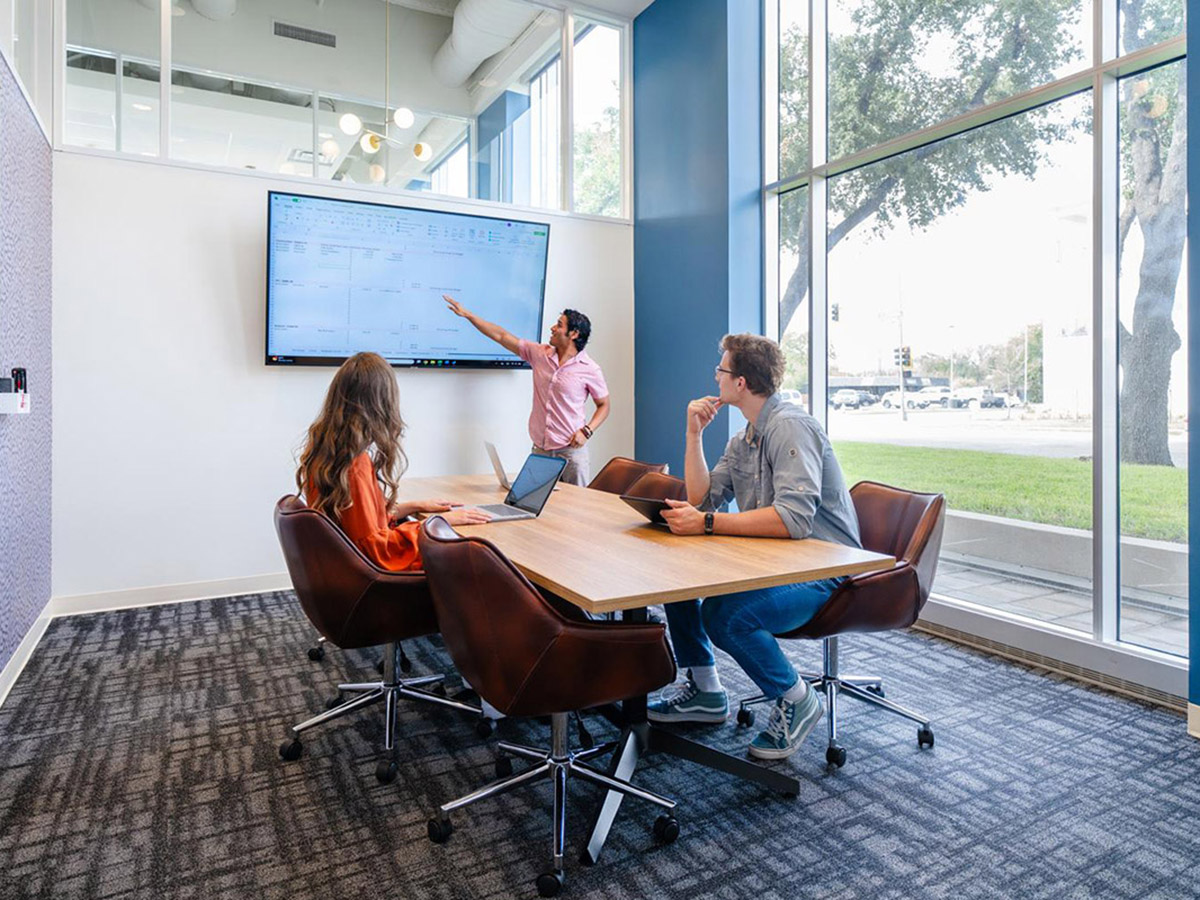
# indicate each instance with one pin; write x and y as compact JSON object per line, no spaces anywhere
{"x":142,"y":107}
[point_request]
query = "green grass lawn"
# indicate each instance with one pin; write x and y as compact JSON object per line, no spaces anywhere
{"x":1033,"y":488}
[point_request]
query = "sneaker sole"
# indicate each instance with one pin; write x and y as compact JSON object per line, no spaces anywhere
{"x":697,"y":717}
{"x":801,"y":737}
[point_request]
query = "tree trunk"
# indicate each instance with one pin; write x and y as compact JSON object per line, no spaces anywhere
{"x":1146,"y":350}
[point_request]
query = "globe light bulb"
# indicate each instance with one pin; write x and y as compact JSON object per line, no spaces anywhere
{"x":403,"y":117}
{"x":370,"y":143}
{"x":376,"y":173}
{"x":422,"y":151}
{"x":330,"y":149}
{"x":350,"y":123}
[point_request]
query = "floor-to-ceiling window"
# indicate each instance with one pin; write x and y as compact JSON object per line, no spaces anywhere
{"x":976,"y":233}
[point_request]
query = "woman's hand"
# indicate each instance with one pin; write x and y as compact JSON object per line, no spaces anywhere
{"x":434,"y":505}
{"x":411,"y":508}
{"x":472,"y":515}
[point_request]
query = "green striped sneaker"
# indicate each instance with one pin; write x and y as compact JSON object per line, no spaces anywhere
{"x":690,"y":704}
{"x":789,"y":725}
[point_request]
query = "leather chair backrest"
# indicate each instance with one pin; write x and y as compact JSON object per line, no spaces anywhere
{"x":657,"y":486}
{"x":900,"y":523}
{"x":497,"y":624}
{"x":519,"y":653}
{"x":349,"y":599}
{"x":620,"y":472}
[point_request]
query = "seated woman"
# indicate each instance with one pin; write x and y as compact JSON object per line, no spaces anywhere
{"x":352,"y":461}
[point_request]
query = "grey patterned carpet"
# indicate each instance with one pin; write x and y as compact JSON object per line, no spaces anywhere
{"x":138,"y":760}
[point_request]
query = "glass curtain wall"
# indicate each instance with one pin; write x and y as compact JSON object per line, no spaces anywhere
{"x":964,"y":284}
{"x":413,"y":97}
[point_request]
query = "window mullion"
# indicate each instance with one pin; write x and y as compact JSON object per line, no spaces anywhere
{"x":818,"y":214}
{"x":164,"y":79}
{"x":1106,"y":541}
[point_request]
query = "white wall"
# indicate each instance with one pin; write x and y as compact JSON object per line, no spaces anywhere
{"x":172,"y":440}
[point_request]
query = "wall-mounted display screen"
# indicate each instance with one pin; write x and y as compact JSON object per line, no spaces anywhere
{"x":345,"y":276}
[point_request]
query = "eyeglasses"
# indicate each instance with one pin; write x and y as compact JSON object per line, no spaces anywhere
{"x":728,"y":372}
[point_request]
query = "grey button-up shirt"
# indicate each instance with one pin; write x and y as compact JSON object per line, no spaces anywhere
{"x":785,"y":460}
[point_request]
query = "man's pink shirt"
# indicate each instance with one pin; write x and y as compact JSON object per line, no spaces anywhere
{"x":559,"y":393}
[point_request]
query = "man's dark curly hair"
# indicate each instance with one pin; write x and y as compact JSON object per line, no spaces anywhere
{"x":577,"y":321}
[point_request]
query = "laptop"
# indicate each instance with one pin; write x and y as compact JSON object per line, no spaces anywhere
{"x":530,"y":489}
{"x":501,"y":475}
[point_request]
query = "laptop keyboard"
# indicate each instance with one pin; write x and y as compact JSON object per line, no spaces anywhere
{"x":503,"y":511}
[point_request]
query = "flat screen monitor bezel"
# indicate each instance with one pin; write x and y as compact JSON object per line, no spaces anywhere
{"x":417,"y":363}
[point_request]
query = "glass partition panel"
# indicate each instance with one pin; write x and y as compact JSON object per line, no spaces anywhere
{"x":793,"y":293}
{"x":897,"y":67}
{"x":516,"y":105}
{"x":1152,"y":288}
{"x":960,"y":352}
{"x":596,"y":113}
{"x":102,"y":111}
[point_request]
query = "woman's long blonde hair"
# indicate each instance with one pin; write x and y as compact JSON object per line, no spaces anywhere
{"x":361,"y":411}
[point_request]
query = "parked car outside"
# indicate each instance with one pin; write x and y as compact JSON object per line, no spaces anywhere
{"x":866,"y":398}
{"x":978,"y":397}
{"x":791,"y":396}
{"x":935,"y":396}
{"x":844,"y":397}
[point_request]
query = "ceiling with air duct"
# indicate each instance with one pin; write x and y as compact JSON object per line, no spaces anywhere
{"x":244,"y":72}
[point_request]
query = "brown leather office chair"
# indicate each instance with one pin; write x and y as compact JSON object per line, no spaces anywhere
{"x":902,"y":524}
{"x":354,"y":603}
{"x":657,"y":486}
{"x":620,"y":472}
{"x":527,"y":659}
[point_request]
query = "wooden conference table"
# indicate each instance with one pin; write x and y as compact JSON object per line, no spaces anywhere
{"x":597,"y":552}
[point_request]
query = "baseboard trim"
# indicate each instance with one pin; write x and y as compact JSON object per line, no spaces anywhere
{"x":157,"y":595}
{"x":1194,"y":720}
{"x":16,"y":663}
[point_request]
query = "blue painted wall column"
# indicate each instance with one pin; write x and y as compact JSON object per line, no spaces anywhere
{"x":1193,"y":349}
{"x":697,"y":168}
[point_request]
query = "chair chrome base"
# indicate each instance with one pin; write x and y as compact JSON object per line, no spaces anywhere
{"x":556,"y":764}
{"x":869,"y":689}
{"x":389,"y":690}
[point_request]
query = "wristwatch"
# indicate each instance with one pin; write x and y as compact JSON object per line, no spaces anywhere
{"x":708,"y":522}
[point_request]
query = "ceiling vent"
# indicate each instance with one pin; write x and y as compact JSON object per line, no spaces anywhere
{"x":308,"y":35}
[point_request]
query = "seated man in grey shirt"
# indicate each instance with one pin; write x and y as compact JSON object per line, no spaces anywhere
{"x":787,"y":483}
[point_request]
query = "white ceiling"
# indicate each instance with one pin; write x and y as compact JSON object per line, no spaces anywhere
{"x":628,"y":8}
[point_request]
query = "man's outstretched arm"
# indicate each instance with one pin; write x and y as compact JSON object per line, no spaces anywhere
{"x":501,"y":336}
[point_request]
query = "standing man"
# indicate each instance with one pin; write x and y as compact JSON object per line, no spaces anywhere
{"x":787,"y":483}
{"x":563,"y":378}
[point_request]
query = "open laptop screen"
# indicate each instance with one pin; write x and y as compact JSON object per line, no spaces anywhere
{"x":535,"y":482}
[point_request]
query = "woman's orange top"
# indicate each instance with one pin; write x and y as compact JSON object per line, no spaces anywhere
{"x":365,"y":522}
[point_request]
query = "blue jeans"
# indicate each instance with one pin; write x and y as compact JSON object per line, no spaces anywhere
{"x":744,"y":625}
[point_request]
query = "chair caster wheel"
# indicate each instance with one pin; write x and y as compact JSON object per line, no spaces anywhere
{"x":335,"y":700}
{"x":549,"y":884}
{"x":317,"y":653}
{"x":439,"y":830}
{"x":924,"y":737}
{"x":877,"y":690}
{"x":835,"y":755}
{"x":405,"y":664}
{"x":503,"y":767}
{"x":439,"y":688}
{"x":666,"y":829}
{"x":745,"y":717}
{"x":291,"y":750}
{"x":483,"y":727}
{"x":386,"y":771}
